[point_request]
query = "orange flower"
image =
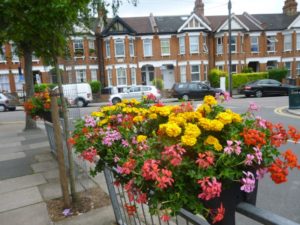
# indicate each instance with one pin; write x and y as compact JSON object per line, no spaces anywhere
{"x":131,"y":209}
{"x":278,"y":171}
{"x":291,"y":159}
{"x":254,"y":137}
{"x":294,"y":134}
{"x":47,"y":105}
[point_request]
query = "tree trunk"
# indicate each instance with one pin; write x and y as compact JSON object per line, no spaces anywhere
{"x":67,"y":133}
{"x":29,"y":86}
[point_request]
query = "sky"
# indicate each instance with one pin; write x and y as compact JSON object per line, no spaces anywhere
{"x":211,"y":7}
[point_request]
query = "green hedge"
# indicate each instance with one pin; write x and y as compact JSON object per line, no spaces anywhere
{"x":95,"y":86}
{"x":158,"y":83}
{"x":278,"y":74}
{"x":43,"y":87}
{"x":214,"y":77}
{"x":242,"y":78}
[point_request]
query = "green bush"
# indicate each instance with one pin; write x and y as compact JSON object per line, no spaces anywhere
{"x":158,"y":83}
{"x":214,"y":77}
{"x":278,"y":73}
{"x":247,"y":70}
{"x":243,"y":78}
{"x":95,"y":86}
{"x":43,"y":87}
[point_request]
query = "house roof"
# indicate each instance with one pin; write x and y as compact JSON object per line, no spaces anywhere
{"x":170,"y":23}
{"x":141,"y":25}
{"x":275,"y":21}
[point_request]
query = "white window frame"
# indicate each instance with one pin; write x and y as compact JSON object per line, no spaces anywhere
{"x":91,"y":44}
{"x":182,"y":45}
{"x":107,"y":48}
{"x":80,"y":76}
{"x":205,"y":72}
{"x":109,"y":77}
{"x":121,"y":76}
{"x":287,"y":42}
{"x":2,"y":54}
{"x":4,"y":83}
{"x":165,"y":46}
{"x":133,"y":75}
{"x":298,"y":68}
{"x":195,"y":73}
{"x":241,"y":43}
{"x":234,"y":68}
{"x":298,"y":41}
{"x":94,"y":75}
{"x":183,"y":73}
{"x":70,"y":77}
{"x":15,"y":57}
{"x":220,"y":67}
{"x":131,"y":47}
{"x":119,"y":47}
{"x":233,"y":44}
{"x":147,"y":47}
{"x":288,"y":66}
{"x":271,"y":43}
{"x":219,"y":43}
{"x":205,"y":48}
{"x":254,"y":43}
{"x":78,"y":45}
{"x":194,"y":44}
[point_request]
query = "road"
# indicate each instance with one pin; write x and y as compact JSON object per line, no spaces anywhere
{"x":281,"y":199}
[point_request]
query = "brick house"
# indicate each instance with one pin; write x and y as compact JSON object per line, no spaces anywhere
{"x":136,"y":50}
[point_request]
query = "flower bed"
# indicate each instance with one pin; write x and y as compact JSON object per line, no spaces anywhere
{"x":174,"y":157}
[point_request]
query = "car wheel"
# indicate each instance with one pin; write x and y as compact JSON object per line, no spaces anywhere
{"x":258,"y":94}
{"x":2,"y":108}
{"x":80,"y":103}
{"x":185,"y":97}
{"x":12,"y":109}
{"x":116,"y":101}
{"x":247,"y":95}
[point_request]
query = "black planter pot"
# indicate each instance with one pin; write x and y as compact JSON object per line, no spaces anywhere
{"x":47,"y":116}
{"x":230,"y":198}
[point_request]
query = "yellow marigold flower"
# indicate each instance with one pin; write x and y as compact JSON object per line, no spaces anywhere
{"x":153,"y":116}
{"x":177,"y":119}
{"x":205,"y":123}
{"x":210,"y":100}
{"x":138,"y":119}
{"x":102,"y":122}
{"x":216,"y":125}
{"x":141,"y":138}
{"x":97,"y":114}
{"x":204,"y":109}
{"x":224,"y":117}
{"x":172,"y":129}
{"x":211,"y":140}
{"x":218,"y":147}
{"x":236,"y":117}
{"x":192,"y":130}
{"x":188,"y":140}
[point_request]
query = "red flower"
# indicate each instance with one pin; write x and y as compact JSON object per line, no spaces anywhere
{"x":131,"y":209}
{"x":165,"y":218}
{"x":219,"y":215}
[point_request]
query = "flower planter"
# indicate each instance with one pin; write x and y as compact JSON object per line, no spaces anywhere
{"x":47,"y":116}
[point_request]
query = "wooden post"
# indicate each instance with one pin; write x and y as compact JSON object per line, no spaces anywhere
{"x":59,"y":147}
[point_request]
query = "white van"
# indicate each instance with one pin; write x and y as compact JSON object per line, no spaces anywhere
{"x":78,"y":94}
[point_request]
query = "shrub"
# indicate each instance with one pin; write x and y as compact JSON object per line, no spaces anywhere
{"x":40,"y":88}
{"x":243,"y":78}
{"x":278,"y":73}
{"x":95,"y":86}
{"x":158,"y":83}
{"x":214,"y":77}
{"x":247,"y":70}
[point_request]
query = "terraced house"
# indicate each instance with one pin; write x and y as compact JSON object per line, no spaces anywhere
{"x":136,"y":50}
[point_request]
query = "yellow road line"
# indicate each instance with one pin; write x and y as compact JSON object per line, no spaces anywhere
{"x":279,"y":111}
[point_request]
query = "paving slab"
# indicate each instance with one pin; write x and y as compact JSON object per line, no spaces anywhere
{"x":10,"y":144}
{"x":33,"y":140}
{"x":36,"y":214}
{"x":11,"y":149}
{"x":53,"y":190}
{"x":18,"y":183}
{"x":100,"y":216}
{"x":11,"y":155}
{"x":51,"y":174}
{"x":87,"y":183}
{"x":19,"y":198}
{"x":40,"y":145}
{"x":44,"y":166}
{"x":44,"y":157}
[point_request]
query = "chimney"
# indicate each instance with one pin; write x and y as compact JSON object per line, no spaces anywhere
{"x":153,"y":23}
{"x":290,"y":7}
{"x":199,"y":8}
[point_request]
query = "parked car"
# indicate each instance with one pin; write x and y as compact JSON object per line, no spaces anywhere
{"x":135,"y":92}
{"x":79,"y":94}
{"x":264,"y":87}
{"x":193,"y":90}
{"x":8,"y":102}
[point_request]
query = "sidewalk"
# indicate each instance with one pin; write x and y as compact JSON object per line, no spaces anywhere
{"x":29,"y":177}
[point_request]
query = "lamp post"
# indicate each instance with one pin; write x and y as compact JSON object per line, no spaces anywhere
{"x":229,"y":46}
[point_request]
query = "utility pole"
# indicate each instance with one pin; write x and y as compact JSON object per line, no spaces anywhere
{"x":229,"y":46}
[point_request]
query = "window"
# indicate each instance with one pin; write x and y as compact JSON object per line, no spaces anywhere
{"x":298,"y":41}
{"x":119,"y":48}
{"x":78,"y":47}
{"x":133,"y":76}
{"x":165,"y":46}
{"x":271,"y":40}
{"x":2,"y":53}
{"x":195,"y":72}
{"x":288,"y":42}
{"x":182,"y":73}
{"x":91,"y":44}
{"x":254,"y":44}
{"x":205,"y":72}
{"x":107,"y":48}
{"x":194,"y":44}
{"x":287,"y":65}
{"x":14,"y":52}
{"x":220,"y":45}
{"x":70,"y":77}
{"x":205,"y":49}
{"x":80,"y":76}
{"x":131,"y":47}
{"x":182,"y":45}
{"x":147,"y":45}
{"x":233,"y":44}
{"x":298,"y":69}
{"x":121,"y":77}
{"x":19,"y":82}
{"x":242,"y":44}
{"x":220,"y":67}
{"x":109,"y":78}
{"x":233,"y":68}
{"x":4,"y":83}
{"x":94,"y":75}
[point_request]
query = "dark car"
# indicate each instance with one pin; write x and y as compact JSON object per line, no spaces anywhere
{"x":193,"y":90}
{"x":264,"y":87}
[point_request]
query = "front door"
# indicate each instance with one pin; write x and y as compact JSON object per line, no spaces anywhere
{"x":169,"y":79}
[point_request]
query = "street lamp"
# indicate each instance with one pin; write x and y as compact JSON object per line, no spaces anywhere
{"x":229,"y":45}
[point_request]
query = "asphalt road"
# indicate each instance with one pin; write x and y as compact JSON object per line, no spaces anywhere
{"x":283,"y":199}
